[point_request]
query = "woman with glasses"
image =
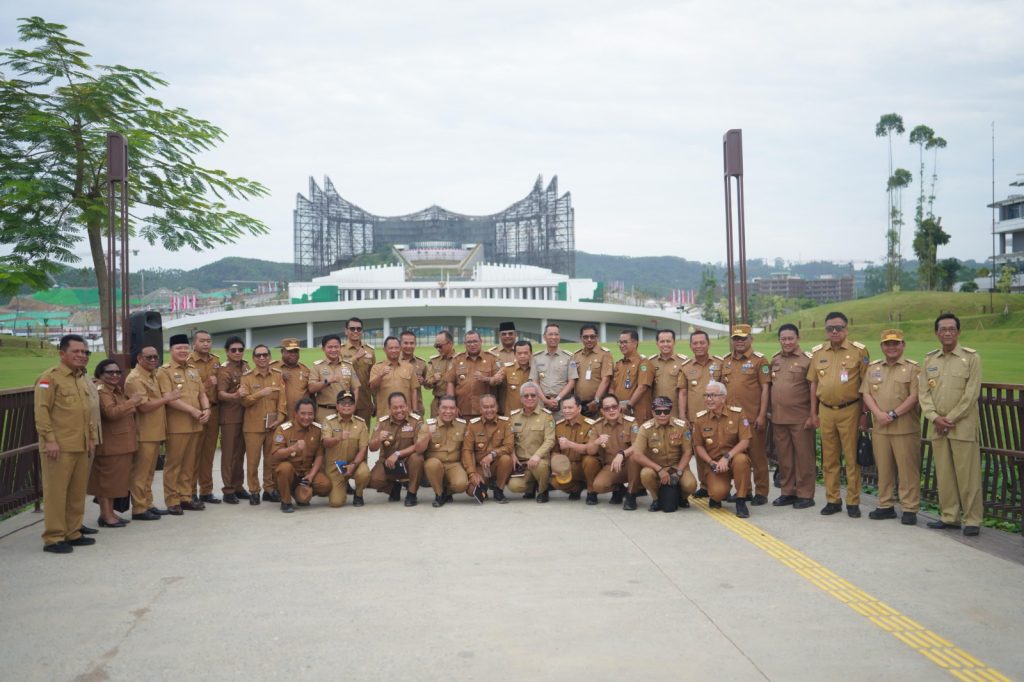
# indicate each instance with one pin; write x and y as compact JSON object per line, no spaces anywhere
{"x":113,"y":464}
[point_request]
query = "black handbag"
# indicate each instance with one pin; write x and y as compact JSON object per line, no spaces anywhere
{"x":865,"y":453}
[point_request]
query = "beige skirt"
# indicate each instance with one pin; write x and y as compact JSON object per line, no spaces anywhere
{"x":109,"y":475}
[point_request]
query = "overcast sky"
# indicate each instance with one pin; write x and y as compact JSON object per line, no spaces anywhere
{"x":463,"y":104}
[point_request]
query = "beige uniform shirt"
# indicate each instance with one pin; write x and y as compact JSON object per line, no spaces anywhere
{"x":666,"y":377}
{"x":839,"y":373}
{"x":665,"y":445}
{"x":628,"y":374}
{"x":790,"y":393}
{"x":503,"y":354}
{"x":552,"y":371}
{"x":152,"y":425}
{"x":446,"y":440}
{"x":515,"y":377}
{"x":259,"y":412}
{"x":578,"y":430}
{"x":296,"y":382}
{"x":362,"y":367}
{"x":437,"y":366}
{"x":620,"y":436}
{"x":717,"y":433}
{"x":890,"y":385}
{"x":289,"y":433}
{"x":592,"y":367}
{"x":483,"y":438}
{"x":400,"y":378}
{"x":353,"y":436}
{"x":744,"y":375}
{"x":467,"y":389}
{"x":185,"y":378}
{"x":229,"y":379}
{"x":398,"y":435}
{"x":534,"y":434}
{"x":343,"y":377}
{"x":63,"y":410}
{"x":207,"y":368}
{"x":949,"y":386}
{"x":695,"y":375}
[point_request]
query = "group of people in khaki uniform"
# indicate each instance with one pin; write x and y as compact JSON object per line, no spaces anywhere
{"x":513,"y":419}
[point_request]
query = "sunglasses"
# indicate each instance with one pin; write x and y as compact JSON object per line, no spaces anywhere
{"x":609,"y":407}
{"x":589,"y":336}
{"x":835,"y":327}
{"x":662,"y":411}
{"x":355,"y":329}
{"x":261,"y":355}
{"x":236,"y":350}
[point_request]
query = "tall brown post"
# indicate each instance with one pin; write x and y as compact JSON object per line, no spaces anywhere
{"x":117,"y":201}
{"x":732,"y":153}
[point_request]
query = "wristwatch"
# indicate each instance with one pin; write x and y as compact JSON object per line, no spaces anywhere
{"x":892,"y":413}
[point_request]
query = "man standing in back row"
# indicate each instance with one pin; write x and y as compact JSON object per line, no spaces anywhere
{"x":792,"y":427}
{"x":747,"y":374}
{"x":693,"y":377}
{"x":362,"y":357}
{"x":554,"y":370}
{"x":208,"y":365}
{"x":594,"y":367}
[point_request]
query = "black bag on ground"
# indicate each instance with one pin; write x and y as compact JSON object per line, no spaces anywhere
{"x":865,"y":453}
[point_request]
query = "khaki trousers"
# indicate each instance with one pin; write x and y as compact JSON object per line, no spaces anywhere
{"x":202,"y":478}
{"x":141,"y":477}
{"x":288,"y":479}
{"x":451,"y":473}
{"x":501,"y":470}
{"x":794,"y":450}
{"x":232,"y":457}
{"x":898,"y":455}
{"x":958,"y":470}
{"x":579,"y":479}
{"x":839,"y":437}
{"x":534,"y":479}
{"x":339,"y":483}
{"x":179,"y":463}
{"x":382,"y":478}
{"x":650,"y":480}
{"x":738,"y":474}
{"x":259,"y":444}
{"x":601,"y":479}
{"x":64,"y":482}
{"x":702,"y":472}
{"x":758,"y":453}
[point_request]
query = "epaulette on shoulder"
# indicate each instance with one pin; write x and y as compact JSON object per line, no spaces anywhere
{"x":682,"y":357}
{"x":734,"y":408}
{"x":492,"y":349}
{"x":320,"y":361}
{"x":247,"y":372}
{"x":679,"y":422}
{"x":628,"y":418}
{"x":369,"y":346}
{"x":460,"y":420}
{"x":101,"y":387}
{"x":384,"y":418}
{"x":415,"y":416}
{"x":969,"y":350}
{"x":598,"y":421}
{"x":166,"y":365}
{"x":560,"y":421}
{"x":649,"y":424}
{"x":318,"y":425}
{"x":474,"y":420}
{"x":687,"y":361}
{"x":933,"y":352}
{"x":330,"y":417}
{"x":590,"y":422}
{"x":286,"y":426}
{"x":758,"y":354}
{"x":564,"y":352}
{"x":506,"y":364}
{"x":491,"y":354}
{"x":913,"y":362}
{"x":701,"y":413}
{"x":776,"y":354}
{"x":546,"y":410}
{"x":502,"y":417}
{"x":275,"y":369}
{"x":860,"y":345}
{"x":715,"y":357}
{"x":817,"y":348}
{"x":606,"y":350}
{"x":808,"y":353}
{"x":516,"y":411}
{"x":431,"y":421}
{"x":435,"y":357}
{"x":356,"y":416}
{"x":346,"y":362}
{"x":878,"y":361}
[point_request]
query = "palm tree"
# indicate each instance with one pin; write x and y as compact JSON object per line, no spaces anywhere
{"x":921,"y":135}
{"x":887,"y":125}
{"x":900,"y":179}
{"x":935,"y":143}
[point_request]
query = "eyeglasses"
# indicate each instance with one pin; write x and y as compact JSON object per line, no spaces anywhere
{"x":236,"y":350}
{"x":355,"y":329}
{"x":948,"y":330}
{"x":663,"y":412}
{"x":261,"y":355}
{"x":714,"y":395}
{"x":112,"y":371}
{"x":609,"y":407}
{"x":589,"y":337}
{"x":835,"y":327}
{"x":150,"y":357}
{"x":438,"y":345}
{"x":529,"y":395}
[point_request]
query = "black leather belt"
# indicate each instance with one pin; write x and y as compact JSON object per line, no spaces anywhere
{"x":838,"y":407}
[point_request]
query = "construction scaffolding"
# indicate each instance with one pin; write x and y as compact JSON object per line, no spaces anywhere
{"x":536,"y":230}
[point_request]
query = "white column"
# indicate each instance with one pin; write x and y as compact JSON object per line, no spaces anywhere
{"x":248,"y":337}
{"x":640,"y":331}
{"x":543,"y":323}
{"x":469,"y":322}
{"x":387,"y":327}
{"x":603,"y":331}
{"x":309,"y":335}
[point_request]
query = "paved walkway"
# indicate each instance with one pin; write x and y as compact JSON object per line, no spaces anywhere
{"x":511,"y":592}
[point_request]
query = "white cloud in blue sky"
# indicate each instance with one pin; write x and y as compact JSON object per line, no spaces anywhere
{"x":463,"y":103}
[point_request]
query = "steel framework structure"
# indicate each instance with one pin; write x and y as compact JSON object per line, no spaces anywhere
{"x":536,"y":230}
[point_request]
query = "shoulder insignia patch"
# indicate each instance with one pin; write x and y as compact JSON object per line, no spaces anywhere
{"x":776,"y":354}
{"x":546,"y":410}
{"x":415,"y":416}
{"x":877,"y":362}
{"x":560,"y":421}
{"x":275,"y":369}
{"x":356,"y":416}
{"x":628,"y":418}
{"x":913,"y":362}
{"x":702,"y":413}
{"x":808,"y":353}
{"x":605,"y":349}
{"x":649,"y":424}
{"x":330,"y":417}
{"x":969,"y":350}
{"x":736,"y":409}
{"x":317,"y":425}
{"x":679,"y":422}
{"x":516,"y":411}
{"x":286,"y":426}
{"x":384,"y":419}
{"x":501,"y":417}
{"x":474,"y":420}
{"x":682,"y":357}
{"x":247,"y":372}
{"x":435,"y":357}
{"x":538,"y":353}
{"x":431,"y":421}
{"x":817,"y":348}
{"x":858,"y":344}
{"x":166,"y":365}
{"x":758,"y":354}
{"x":320,"y":361}
{"x":933,"y":352}
{"x":368,"y":346}
{"x":460,"y":420}
{"x":589,"y":421}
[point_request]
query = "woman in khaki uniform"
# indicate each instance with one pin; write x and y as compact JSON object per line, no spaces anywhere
{"x":113,"y":464}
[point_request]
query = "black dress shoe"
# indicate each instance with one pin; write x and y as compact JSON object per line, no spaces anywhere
{"x":158,"y":512}
{"x":530,"y":495}
{"x":731,"y":497}
{"x":271,"y":496}
{"x":254,"y":500}
{"x":909,"y":519}
{"x":410,"y":499}
{"x":542,"y":497}
{"x":701,"y":492}
{"x":357,"y":501}
{"x":287,"y":508}
{"x":58,"y":548}
{"x":231,"y":498}
{"x":448,"y":497}
{"x":175,"y":510}
{"x":86,"y":530}
{"x":574,"y":495}
{"x":396,"y":492}
{"x":242,"y":494}
{"x":350,"y":489}
{"x":831,"y":508}
{"x":803,"y":503}
{"x":146,"y":516}
{"x":642,"y":493}
{"x":81,"y":541}
{"x":971,"y":531}
{"x":741,"y":509}
{"x":117,"y":524}
{"x":212,"y":499}
{"x":784,"y":500}
{"x":882,"y":513}
{"x":941,"y":525}
{"x":189,"y":505}
{"x":759,"y":500}
{"x":591,"y":498}
{"x":629,"y":502}
{"x":499,"y":496}
{"x":438,"y":501}
{"x":714,"y":504}
{"x":853,"y":511}
{"x":684,"y":503}
{"x":617,"y":494}
{"x":655,"y":506}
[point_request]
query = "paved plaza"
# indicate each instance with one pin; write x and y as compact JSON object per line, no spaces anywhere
{"x":511,"y":592}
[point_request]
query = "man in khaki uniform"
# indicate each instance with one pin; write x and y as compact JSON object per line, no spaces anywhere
{"x":836,"y":373}
{"x":747,"y":375}
{"x":470,"y":374}
{"x":362,"y":357}
{"x":533,"y":431}
{"x":721,"y":436}
{"x":151,"y":425}
{"x":295,"y":374}
{"x":345,"y":440}
{"x":437,"y":368}
{"x":594,"y":368}
{"x":949,"y":387}
{"x":393,"y":375}
{"x":554,"y":370}
{"x":505,"y":350}
{"x":792,"y":427}
{"x":662,"y":451}
{"x":510,"y":376}
{"x":573,"y":439}
{"x":666,"y":367}
{"x":632,"y":378}
{"x":695,"y":374}
{"x":67,"y":443}
{"x":443,"y":457}
{"x":208,"y":365}
{"x":333,"y":375}
{"x":407,"y":340}
{"x":232,"y":415}
{"x":298,"y":457}
{"x":889,"y":392}
{"x":262,"y":393}
{"x":487,"y":451}
{"x":605,"y":467}
{"x":401,"y":441}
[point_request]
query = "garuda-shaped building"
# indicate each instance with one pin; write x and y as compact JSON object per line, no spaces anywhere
{"x":536,"y":230}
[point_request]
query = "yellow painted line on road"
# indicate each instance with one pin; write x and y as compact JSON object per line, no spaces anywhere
{"x":939,"y":651}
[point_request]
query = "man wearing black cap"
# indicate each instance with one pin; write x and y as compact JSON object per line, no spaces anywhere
{"x":506,"y":349}
{"x":662,"y":451}
{"x":185,"y":419}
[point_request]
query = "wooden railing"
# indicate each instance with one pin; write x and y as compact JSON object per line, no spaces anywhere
{"x":20,"y":482}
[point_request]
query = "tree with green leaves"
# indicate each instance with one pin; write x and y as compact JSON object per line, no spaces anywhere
{"x":707,"y":296}
{"x":921,"y":135}
{"x":946,"y":272}
{"x":887,"y":126}
{"x":900,"y":180}
{"x":1004,"y":283}
{"x":936,"y":143}
{"x":927,"y":240}
{"x":56,"y":109}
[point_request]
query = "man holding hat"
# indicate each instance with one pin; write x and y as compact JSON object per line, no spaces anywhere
{"x":572,"y":441}
{"x":185,"y":419}
{"x":889,"y":392}
{"x":298,"y":457}
{"x":836,"y":373}
{"x":662,"y":451}
{"x":505,"y":351}
{"x":721,"y":436}
{"x":295,"y":374}
{"x":345,"y":439}
{"x":533,"y":431}
{"x":747,"y":375}
{"x":443,"y":457}
{"x":487,"y":451}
